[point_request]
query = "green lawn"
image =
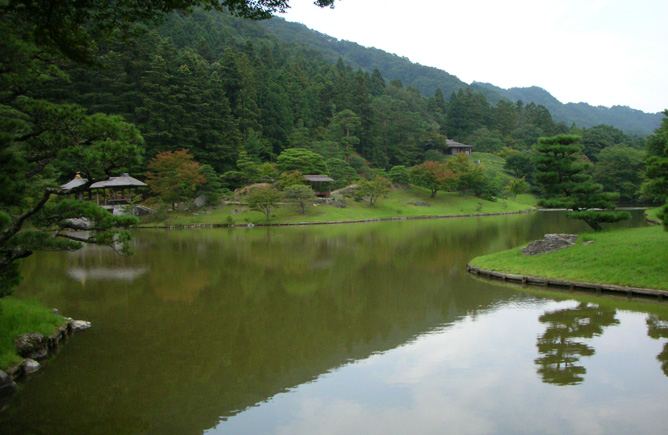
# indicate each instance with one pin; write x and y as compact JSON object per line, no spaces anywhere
{"x":19,"y":317}
{"x":635,"y":257}
{"x":395,"y":205}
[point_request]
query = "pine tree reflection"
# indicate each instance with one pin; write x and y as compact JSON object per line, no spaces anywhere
{"x":559,"y":347}
{"x":658,"y":328}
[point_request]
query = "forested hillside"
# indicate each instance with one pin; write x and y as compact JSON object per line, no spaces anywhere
{"x":427,"y":79}
{"x":213,"y":83}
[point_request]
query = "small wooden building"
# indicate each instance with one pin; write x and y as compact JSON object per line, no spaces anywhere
{"x":455,"y":148}
{"x":320,"y":185}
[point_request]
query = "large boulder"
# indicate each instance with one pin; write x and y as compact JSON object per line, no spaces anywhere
{"x":33,"y":345}
{"x":550,"y":243}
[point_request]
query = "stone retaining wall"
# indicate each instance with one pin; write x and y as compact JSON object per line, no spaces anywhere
{"x":597,"y":287}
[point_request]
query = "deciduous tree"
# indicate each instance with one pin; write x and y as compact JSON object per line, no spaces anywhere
{"x":300,"y":194}
{"x":174,"y":176}
{"x":375,"y":189}
{"x":517,"y":186}
{"x":467,"y":175}
{"x":264,"y":199}
{"x":433,"y":176}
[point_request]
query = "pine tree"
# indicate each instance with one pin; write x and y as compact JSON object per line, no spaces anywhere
{"x":567,"y":184}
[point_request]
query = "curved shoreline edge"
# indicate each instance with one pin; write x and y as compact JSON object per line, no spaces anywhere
{"x":42,"y":349}
{"x":572,"y":285}
{"x":356,"y":221}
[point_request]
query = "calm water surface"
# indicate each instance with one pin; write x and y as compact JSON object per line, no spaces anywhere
{"x":373,"y":328}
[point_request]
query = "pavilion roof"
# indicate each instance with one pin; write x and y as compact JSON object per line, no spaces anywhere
{"x":74,"y":182}
{"x":316,"y":178}
{"x":124,"y":180}
{"x":453,"y":144}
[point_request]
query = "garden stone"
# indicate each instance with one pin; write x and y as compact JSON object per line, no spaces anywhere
{"x":80,"y":325}
{"x":550,"y":243}
{"x":30,"y":366}
{"x":33,"y":345}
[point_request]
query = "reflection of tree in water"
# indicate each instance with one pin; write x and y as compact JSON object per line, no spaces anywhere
{"x":658,"y":328}
{"x":558,"y":344}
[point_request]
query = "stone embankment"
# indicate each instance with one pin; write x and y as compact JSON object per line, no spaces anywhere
{"x":34,"y":347}
{"x":572,"y":285}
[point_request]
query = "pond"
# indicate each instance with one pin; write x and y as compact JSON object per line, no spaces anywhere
{"x":369,"y":328}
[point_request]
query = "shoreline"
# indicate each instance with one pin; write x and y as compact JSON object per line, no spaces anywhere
{"x":572,"y":285}
{"x":354,"y":221}
{"x":36,"y":347}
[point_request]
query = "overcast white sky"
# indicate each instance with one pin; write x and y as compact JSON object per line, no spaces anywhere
{"x":603,"y":52}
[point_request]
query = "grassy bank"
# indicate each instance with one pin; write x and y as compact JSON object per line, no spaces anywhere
{"x":633,"y":257}
{"x":20,"y":317}
{"x":399,"y":203}
{"x":653,"y":214}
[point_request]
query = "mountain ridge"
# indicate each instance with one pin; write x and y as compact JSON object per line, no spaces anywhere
{"x":427,"y":79}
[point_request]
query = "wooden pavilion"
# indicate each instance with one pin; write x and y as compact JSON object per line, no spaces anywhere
{"x":111,"y":192}
{"x":320,"y":184}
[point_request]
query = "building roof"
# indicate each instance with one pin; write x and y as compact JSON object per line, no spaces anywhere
{"x":453,"y":144}
{"x":124,"y":180}
{"x":74,"y":182}
{"x":316,"y":178}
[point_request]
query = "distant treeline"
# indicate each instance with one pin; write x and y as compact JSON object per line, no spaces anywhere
{"x":197,"y":83}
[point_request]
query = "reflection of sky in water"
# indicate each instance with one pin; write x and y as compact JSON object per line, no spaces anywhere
{"x":478,"y":376}
{"x":106,"y":273}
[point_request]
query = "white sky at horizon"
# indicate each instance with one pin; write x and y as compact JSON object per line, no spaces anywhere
{"x":602,"y":52}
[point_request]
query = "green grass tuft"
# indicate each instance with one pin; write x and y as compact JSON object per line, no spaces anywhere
{"x":19,"y":317}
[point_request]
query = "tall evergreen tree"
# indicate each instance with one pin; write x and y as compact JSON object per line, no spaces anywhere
{"x":568,"y":185}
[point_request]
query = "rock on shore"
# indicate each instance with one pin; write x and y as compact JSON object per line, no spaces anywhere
{"x":550,"y":242}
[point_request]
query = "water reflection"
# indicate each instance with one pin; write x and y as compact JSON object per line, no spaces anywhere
{"x":560,"y":346}
{"x":658,"y":328}
{"x":224,"y":322}
{"x":106,"y":273}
